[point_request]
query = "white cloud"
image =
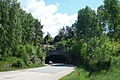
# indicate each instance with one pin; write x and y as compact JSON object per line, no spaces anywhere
{"x":50,"y":18}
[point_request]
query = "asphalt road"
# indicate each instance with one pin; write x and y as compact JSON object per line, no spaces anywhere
{"x":54,"y":72}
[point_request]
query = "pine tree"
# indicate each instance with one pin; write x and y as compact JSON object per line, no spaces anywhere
{"x":28,"y":29}
{"x":15,"y":30}
{"x":38,"y":33}
{"x":4,"y":21}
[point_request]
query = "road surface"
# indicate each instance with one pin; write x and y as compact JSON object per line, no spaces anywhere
{"x":54,"y":72}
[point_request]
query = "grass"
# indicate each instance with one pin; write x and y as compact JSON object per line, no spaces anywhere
{"x":15,"y":68}
{"x":12,"y":60}
{"x":112,"y":74}
{"x":75,"y":75}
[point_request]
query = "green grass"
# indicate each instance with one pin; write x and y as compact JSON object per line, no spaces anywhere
{"x":15,"y":68}
{"x":75,"y":75}
{"x":112,"y":74}
{"x":10,"y":61}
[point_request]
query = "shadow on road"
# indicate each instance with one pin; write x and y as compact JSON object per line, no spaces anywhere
{"x":62,"y":65}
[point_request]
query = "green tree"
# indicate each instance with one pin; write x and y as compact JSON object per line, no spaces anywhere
{"x":47,"y":38}
{"x":57,"y":38}
{"x":4,"y":20}
{"x":86,"y":24}
{"x":15,"y":29}
{"x":11,"y":29}
{"x":102,"y":18}
{"x":64,"y":34}
{"x":69,"y":32}
{"x":112,"y":8}
{"x":109,"y":14}
{"x":38,"y":33}
{"x":28,"y":29}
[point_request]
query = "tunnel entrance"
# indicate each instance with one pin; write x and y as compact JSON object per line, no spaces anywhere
{"x":56,"y":59}
{"x":57,"y":56}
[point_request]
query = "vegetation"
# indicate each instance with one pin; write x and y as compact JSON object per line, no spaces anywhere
{"x":112,"y":74}
{"x":95,"y":44}
{"x":20,"y":37}
{"x":92,"y":41}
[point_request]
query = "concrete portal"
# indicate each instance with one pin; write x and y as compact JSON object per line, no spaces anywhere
{"x":58,"y":56}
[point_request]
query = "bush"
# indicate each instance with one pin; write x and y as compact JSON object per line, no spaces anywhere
{"x":30,"y":54}
{"x":23,"y":54}
{"x":41,"y":55}
{"x":76,"y":53}
{"x":65,"y":45}
{"x":7,"y":62}
{"x":20,"y":64}
{"x":115,"y":61}
{"x":97,"y":52}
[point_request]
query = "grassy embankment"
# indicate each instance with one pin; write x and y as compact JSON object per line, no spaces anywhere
{"x":112,"y":74}
{"x":13,"y":63}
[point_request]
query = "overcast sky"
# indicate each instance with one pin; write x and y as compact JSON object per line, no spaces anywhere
{"x":54,"y":14}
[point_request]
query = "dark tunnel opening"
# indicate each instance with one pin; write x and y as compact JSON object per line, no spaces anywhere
{"x":56,"y":59}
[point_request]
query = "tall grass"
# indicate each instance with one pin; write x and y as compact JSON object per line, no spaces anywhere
{"x":112,"y":74}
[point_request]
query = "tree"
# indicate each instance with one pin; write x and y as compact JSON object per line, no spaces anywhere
{"x":38,"y":33}
{"x":86,"y":24}
{"x":47,"y":38}
{"x":102,"y":17}
{"x":109,"y":15}
{"x":18,"y":31}
{"x":15,"y":33}
{"x":69,"y":32}
{"x":27,"y":22}
{"x":112,"y":8}
{"x":57,"y":38}
{"x":11,"y":29}
{"x":62,"y":33}
{"x":4,"y":20}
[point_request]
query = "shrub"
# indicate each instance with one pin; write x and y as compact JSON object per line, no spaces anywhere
{"x":7,"y":62}
{"x":76,"y":53}
{"x":115,"y":61}
{"x":30,"y":54}
{"x":23,"y":54}
{"x":97,"y":52}
{"x":19,"y":63}
{"x":41,"y":55}
{"x":32,"y":51}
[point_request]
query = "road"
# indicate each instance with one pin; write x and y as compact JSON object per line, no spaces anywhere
{"x":54,"y":72}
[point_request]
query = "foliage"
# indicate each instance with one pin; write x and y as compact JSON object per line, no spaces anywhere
{"x":30,"y":54}
{"x":65,"y":45}
{"x":27,"y":22}
{"x":17,"y":27}
{"x":87,"y":24}
{"x":19,"y":64}
{"x":112,"y":74}
{"x":64,"y":34}
{"x":13,"y":63}
{"x":20,"y":33}
{"x":38,"y":33}
{"x":22,"y":53}
{"x":47,"y":38}
{"x":41,"y":55}
{"x":97,"y":52}
{"x":10,"y":29}
{"x":75,"y":75}
{"x":8,"y":62}
{"x":109,"y":15}
{"x":96,"y":42}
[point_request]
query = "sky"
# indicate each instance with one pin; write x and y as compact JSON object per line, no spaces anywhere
{"x":54,"y":14}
